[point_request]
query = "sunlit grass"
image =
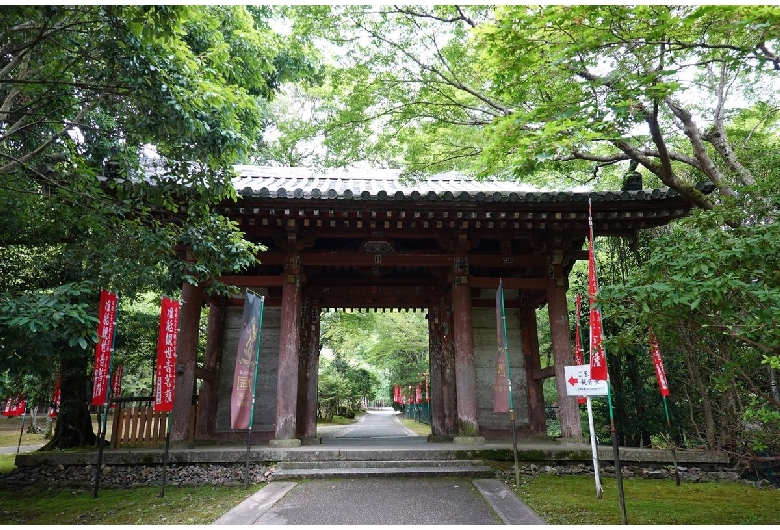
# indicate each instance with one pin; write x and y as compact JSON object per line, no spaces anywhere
{"x":572,"y":500}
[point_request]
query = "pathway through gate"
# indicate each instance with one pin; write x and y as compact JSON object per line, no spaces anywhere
{"x":375,"y":427}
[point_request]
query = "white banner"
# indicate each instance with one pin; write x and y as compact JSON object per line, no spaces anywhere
{"x":579,"y":383}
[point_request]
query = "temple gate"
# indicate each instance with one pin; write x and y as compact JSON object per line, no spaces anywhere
{"x":362,"y":239}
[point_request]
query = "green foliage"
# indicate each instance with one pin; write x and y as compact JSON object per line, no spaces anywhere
{"x":121,"y":125}
{"x":711,"y":292}
{"x":394,"y":344}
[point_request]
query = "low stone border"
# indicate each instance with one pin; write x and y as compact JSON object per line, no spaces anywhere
{"x":233,"y":474}
{"x":687,"y":474}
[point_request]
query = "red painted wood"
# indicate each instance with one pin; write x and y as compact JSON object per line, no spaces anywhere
{"x":465,"y":374}
{"x":289,"y":344}
{"x":563,"y":356}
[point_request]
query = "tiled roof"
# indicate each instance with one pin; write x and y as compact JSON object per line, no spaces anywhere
{"x":373,"y":184}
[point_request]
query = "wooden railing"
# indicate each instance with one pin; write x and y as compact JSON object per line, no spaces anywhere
{"x":136,"y":424}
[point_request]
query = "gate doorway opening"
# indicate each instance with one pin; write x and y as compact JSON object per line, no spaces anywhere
{"x":374,"y":362}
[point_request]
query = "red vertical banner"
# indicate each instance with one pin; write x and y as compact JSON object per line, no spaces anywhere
{"x":418,"y":394}
{"x":104,"y":347}
{"x":598,"y":358}
{"x":660,"y":373}
{"x":116,"y":382}
{"x":15,"y":406}
{"x":246,"y":358}
{"x":55,"y":398}
{"x":167,"y":342}
{"x":500,"y":381}
{"x":579,"y":357}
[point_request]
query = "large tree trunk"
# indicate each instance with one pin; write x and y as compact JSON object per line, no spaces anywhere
{"x":74,"y":423}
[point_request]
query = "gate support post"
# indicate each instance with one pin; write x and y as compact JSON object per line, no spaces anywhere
{"x":186,"y":361}
{"x":562,"y":353}
{"x":465,"y":373}
{"x":289,"y":346}
{"x":435,"y":369}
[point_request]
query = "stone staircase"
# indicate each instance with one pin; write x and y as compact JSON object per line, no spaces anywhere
{"x":299,"y":470}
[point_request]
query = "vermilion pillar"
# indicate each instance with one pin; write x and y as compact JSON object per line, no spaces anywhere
{"x":465,"y":373}
{"x":186,"y":355}
{"x":289,"y":346}
{"x":562,"y":352}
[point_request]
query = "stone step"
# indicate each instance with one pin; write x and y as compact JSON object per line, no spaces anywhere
{"x":291,"y":470}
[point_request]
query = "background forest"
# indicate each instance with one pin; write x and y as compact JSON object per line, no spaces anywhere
{"x":561,"y":97}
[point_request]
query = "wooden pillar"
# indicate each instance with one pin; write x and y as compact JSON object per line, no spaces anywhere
{"x":435,"y":369}
{"x":535,"y":381}
{"x":303,"y":369}
{"x":308,"y":375}
{"x":289,"y":347}
{"x":562,"y":352}
{"x":465,"y":372}
{"x":448,"y":394}
{"x":186,"y":356}
{"x":206,"y":424}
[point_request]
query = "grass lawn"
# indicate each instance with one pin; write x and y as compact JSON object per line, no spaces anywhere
{"x":571,"y":500}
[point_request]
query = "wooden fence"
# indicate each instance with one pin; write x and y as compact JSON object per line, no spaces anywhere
{"x":136,"y":424}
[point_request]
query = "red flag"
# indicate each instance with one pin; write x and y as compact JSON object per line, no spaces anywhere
{"x":655,"y":353}
{"x":104,"y":347}
{"x":116,"y":383}
{"x":15,"y":406}
{"x":501,"y":380}
{"x":167,"y":341}
{"x":598,"y":359}
{"x":55,"y":398}
{"x":579,"y":358}
{"x":241,"y":398}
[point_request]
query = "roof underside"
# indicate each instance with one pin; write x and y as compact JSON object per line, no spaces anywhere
{"x":366,"y":239}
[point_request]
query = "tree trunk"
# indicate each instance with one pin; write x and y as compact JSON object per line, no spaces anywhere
{"x":74,"y":422}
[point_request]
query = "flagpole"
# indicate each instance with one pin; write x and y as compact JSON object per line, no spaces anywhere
{"x":24,"y":413}
{"x":578,"y":358}
{"x":594,"y":450}
{"x":102,"y":437}
{"x":601,"y":355}
{"x":509,"y":385}
{"x":671,"y":440}
{"x":254,"y":386}
{"x":660,"y":373}
{"x":169,"y":421}
{"x":165,"y":453}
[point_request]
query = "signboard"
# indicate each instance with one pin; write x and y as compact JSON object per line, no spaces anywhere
{"x":579,"y":383}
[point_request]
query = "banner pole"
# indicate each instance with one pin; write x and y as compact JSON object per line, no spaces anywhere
{"x":594,"y":449}
{"x":102,"y":437}
{"x":616,"y":454}
{"x":509,"y":386}
{"x":165,"y":454}
{"x":24,"y":413}
{"x":671,"y":440}
{"x":254,"y":387}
